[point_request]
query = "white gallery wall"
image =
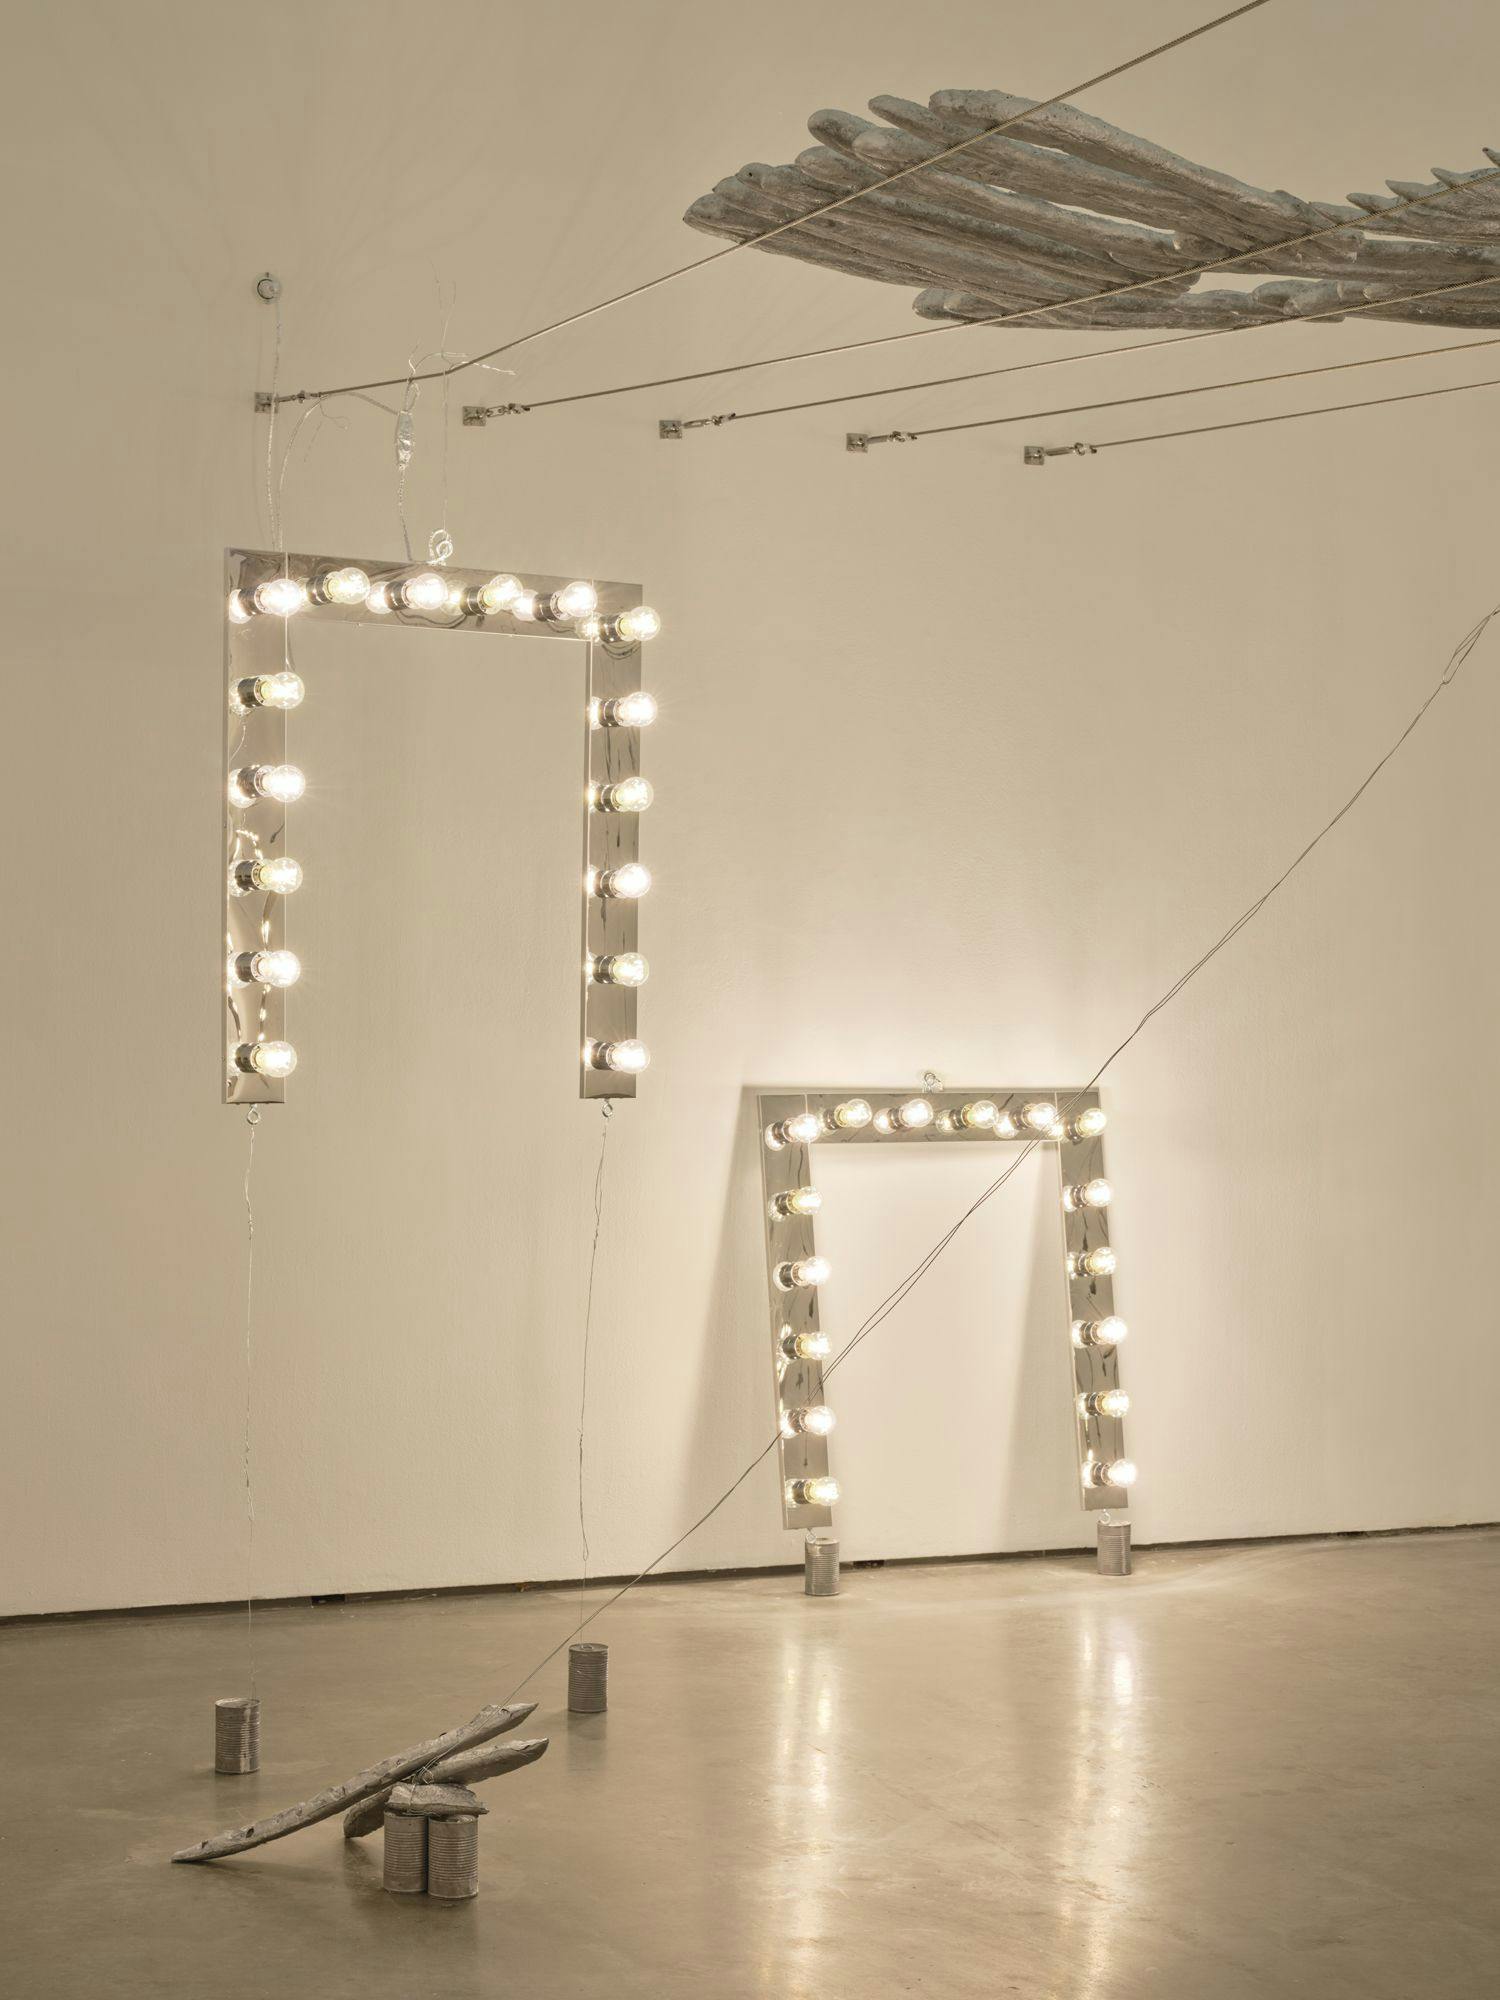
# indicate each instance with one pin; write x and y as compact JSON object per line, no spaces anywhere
{"x":959,"y":765}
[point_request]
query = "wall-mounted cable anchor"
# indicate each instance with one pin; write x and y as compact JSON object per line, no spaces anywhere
{"x":264,"y":401}
{"x":268,"y":287}
{"x":862,"y":440}
{"x":477,"y":415}
{"x":676,"y":427}
{"x":1038,"y":454}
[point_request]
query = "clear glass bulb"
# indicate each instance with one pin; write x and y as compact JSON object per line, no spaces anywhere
{"x":627,"y":883}
{"x":267,"y":1058}
{"x":638,"y":623}
{"x":819,"y":1492}
{"x":283,"y":783}
{"x":1088,"y":1124}
{"x":805,"y":1346}
{"x":626,"y":795}
{"x":267,"y":968}
{"x":980,"y":1116}
{"x":629,"y":1057}
{"x":817,"y":1420}
{"x":1104,"y":1403}
{"x":883,"y":1122}
{"x":1110,"y":1472}
{"x":619,"y":968}
{"x":279,"y":876}
{"x":1039,"y":1116}
{"x":342,"y":586}
{"x":803,"y":1272}
{"x":426,"y":591}
{"x":1098,"y":1263}
{"x":240,"y":612}
{"x":499,"y":594}
{"x":625,"y":711}
{"x":852,"y":1114}
{"x":526,"y":606}
{"x":272,"y":691}
{"x":574,"y":600}
{"x":1088,"y":1194}
{"x":912,"y":1115}
{"x":1107,"y":1332}
{"x":799,"y":1130}
{"x":280,"y":596}
{"x":798,"y":1201}
{"x":590,"y":628}
{"x":380,"y":599}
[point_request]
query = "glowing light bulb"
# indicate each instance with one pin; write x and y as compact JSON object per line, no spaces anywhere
{"x":619,"y":968}
{"x":819,"y":1492}
{"x":278,"y":876}
{"x":1104,"y":1403}
{"x":526,"y":606}
{"x":803,"y":1273}
{"x":851,"y":1115}
{"x":1098,"y":1263}
{"x":341,"y":586}
{"x":800,"y":1130}
{"x":980,"y":1116}
{"x":626,"y":884}
{"x":629,"y":1057}
{"x":912,"y":1116}
{"x":574,"y":600}
{"x":266,"y":968}
{"x":1107,"y":1332}
{"x":626,"y":795}
{"x":640,"y":622}
{"x":267,"y":1058}
{"x":1109,"y":1472}
{"x":816,"y":1420}
{"x":1088,"y":1194}
{"x":804,"y":1346}
{"x":239,"y":608}
{"x":625,"y":711}
{"x":882,"y":1122}
{"x":590,"y":628}
{"x":282,"y":782}
{"x":426,"y":591}
{"x":797,"y":1201}
{"x":1087,"y":1125}
{"x":499,"y":594}
{"x":279,"y":596}
{"x":270,"y":691}
{"x":380,"y":599}
{"x":1039,"y":1116}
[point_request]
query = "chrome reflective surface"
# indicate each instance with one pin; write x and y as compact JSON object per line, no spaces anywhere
{"x":264,"y":829}
{"x":1090,"y":1370}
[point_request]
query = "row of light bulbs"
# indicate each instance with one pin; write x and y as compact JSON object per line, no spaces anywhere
{"x":576,"y":604}
{"x":1038,"y":1118}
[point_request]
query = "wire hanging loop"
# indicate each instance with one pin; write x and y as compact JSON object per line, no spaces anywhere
{"x":439,"y":547}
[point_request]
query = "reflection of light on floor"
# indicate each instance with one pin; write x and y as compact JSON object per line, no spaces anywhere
{"x":804,"y":1784}
{"x":1104,"y":1816}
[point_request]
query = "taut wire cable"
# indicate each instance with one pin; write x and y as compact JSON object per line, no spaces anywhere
{"x":1456,"y":661}
{"x":252,"y":1119}
{"x":1204,"y":389}
{"x":795,"y":222}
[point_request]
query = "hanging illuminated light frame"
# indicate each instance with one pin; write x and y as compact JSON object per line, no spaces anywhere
{"x":793,"y":1122}
{"x":262,"y":590}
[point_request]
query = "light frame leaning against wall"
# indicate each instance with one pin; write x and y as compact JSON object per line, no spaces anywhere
{"x":1071,"y":1122}
{"x":608,"y":620}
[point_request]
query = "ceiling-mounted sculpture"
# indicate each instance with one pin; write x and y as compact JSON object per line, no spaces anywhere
{"x":1063,"y":205}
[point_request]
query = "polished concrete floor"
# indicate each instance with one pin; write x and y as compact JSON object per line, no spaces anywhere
{"x":1259,"y":1770}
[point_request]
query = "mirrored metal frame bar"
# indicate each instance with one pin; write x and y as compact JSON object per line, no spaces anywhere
{"x":786,"y":1167}
{"x":254,"y":919}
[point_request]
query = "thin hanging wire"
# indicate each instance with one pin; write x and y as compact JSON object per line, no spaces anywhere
{"x":894,"y":1298}
{"x":1295,"y":416}
{"x":583,"y":1383}
{"x":273,"y":523}
{"x":252,"y":1119}
{"x":799,"y":221}
{"x":1204,"y":389}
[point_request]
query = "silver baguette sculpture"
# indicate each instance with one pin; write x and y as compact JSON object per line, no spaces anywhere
{"x":422,"y":1761}
{"x":1065,"y":204}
